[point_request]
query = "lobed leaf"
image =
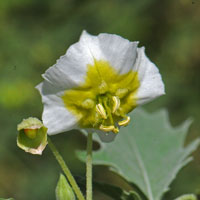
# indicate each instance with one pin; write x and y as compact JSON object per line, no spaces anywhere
{"x":148,"y":152}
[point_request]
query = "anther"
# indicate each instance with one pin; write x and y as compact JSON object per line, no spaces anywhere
{"x":100,"y":109}
{"x":106,"y":128}
{"x":116,"y":130}
{"x":116,"y":103}
{"x":124,"y":122}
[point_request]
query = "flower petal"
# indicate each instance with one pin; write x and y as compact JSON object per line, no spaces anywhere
{"x":70,"y":69}
{"x":119,"y":52}
{"x":151,"y":84}
{"x":102,"y":47}
{"x":55,"y":115}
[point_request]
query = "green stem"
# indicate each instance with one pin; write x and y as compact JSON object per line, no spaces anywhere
{"x":65,"y":170}
{"x":89,"y":168}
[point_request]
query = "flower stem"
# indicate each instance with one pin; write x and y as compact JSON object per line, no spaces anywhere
{"x":89,"y":168}
{"x":65,"y":170}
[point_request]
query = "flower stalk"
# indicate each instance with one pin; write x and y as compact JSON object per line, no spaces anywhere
{"x":66,"y":170}
{"x":89,"y":168}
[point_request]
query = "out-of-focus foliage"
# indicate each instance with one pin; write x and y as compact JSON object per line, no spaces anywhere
{"x":187,"y":197}
{"x":35,"y":33}
{"x":6,"y":199}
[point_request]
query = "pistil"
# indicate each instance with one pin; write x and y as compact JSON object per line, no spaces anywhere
{"x":116,"y":104}
{"x":108,"y":111}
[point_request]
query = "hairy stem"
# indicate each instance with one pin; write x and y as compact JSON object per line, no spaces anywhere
{"x":65,"y":170}
{"x":89,"y":168}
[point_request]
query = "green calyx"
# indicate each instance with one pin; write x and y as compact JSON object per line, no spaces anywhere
{"x":32,"y":136}
{"x":29,"y":123}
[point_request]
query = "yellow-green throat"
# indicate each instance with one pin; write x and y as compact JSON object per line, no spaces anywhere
{"x":104,"y":99}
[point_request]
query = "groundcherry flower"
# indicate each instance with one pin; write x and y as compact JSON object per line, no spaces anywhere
{"x":96,"y":84}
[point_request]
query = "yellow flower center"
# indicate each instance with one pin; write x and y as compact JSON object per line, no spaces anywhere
{"x":104,"y":99}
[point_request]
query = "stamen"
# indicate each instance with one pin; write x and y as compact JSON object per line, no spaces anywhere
{"x":124,"y":122}
{"x":100,"y":109}
{"x":116,"y":130}
{"x":106,"y":128}
{"x":116,"y":103}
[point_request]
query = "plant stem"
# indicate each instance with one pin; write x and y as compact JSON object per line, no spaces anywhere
{"x":89,"y":168}
{"x":65,"y":170}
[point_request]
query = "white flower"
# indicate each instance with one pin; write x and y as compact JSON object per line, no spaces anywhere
{"x":96,"y":84}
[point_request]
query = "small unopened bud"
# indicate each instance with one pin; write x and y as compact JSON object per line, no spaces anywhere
{"x":32,"y":136}
{"x":64,"y":190}
{"x":187,"y":197}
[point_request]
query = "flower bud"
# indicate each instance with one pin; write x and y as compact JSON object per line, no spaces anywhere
{"x":64,"y":190}
{"x":187,"y":197}
{"x":32,"y":136}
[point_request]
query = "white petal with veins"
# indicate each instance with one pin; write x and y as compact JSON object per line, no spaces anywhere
{"x":55,"y":115}
{"x":151,"y":84}
{"x":119,"y":52}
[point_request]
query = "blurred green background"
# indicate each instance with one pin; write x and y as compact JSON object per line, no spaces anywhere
{"x":34,"y":33}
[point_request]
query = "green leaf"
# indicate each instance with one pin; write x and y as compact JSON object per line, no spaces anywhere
{"x":113,"y":191}
{"x":148,"y":152}
{"x":187,"y":197}
{"x":116,"y":192}
{"x":63,"y":190}
{"x":6,"y":199}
